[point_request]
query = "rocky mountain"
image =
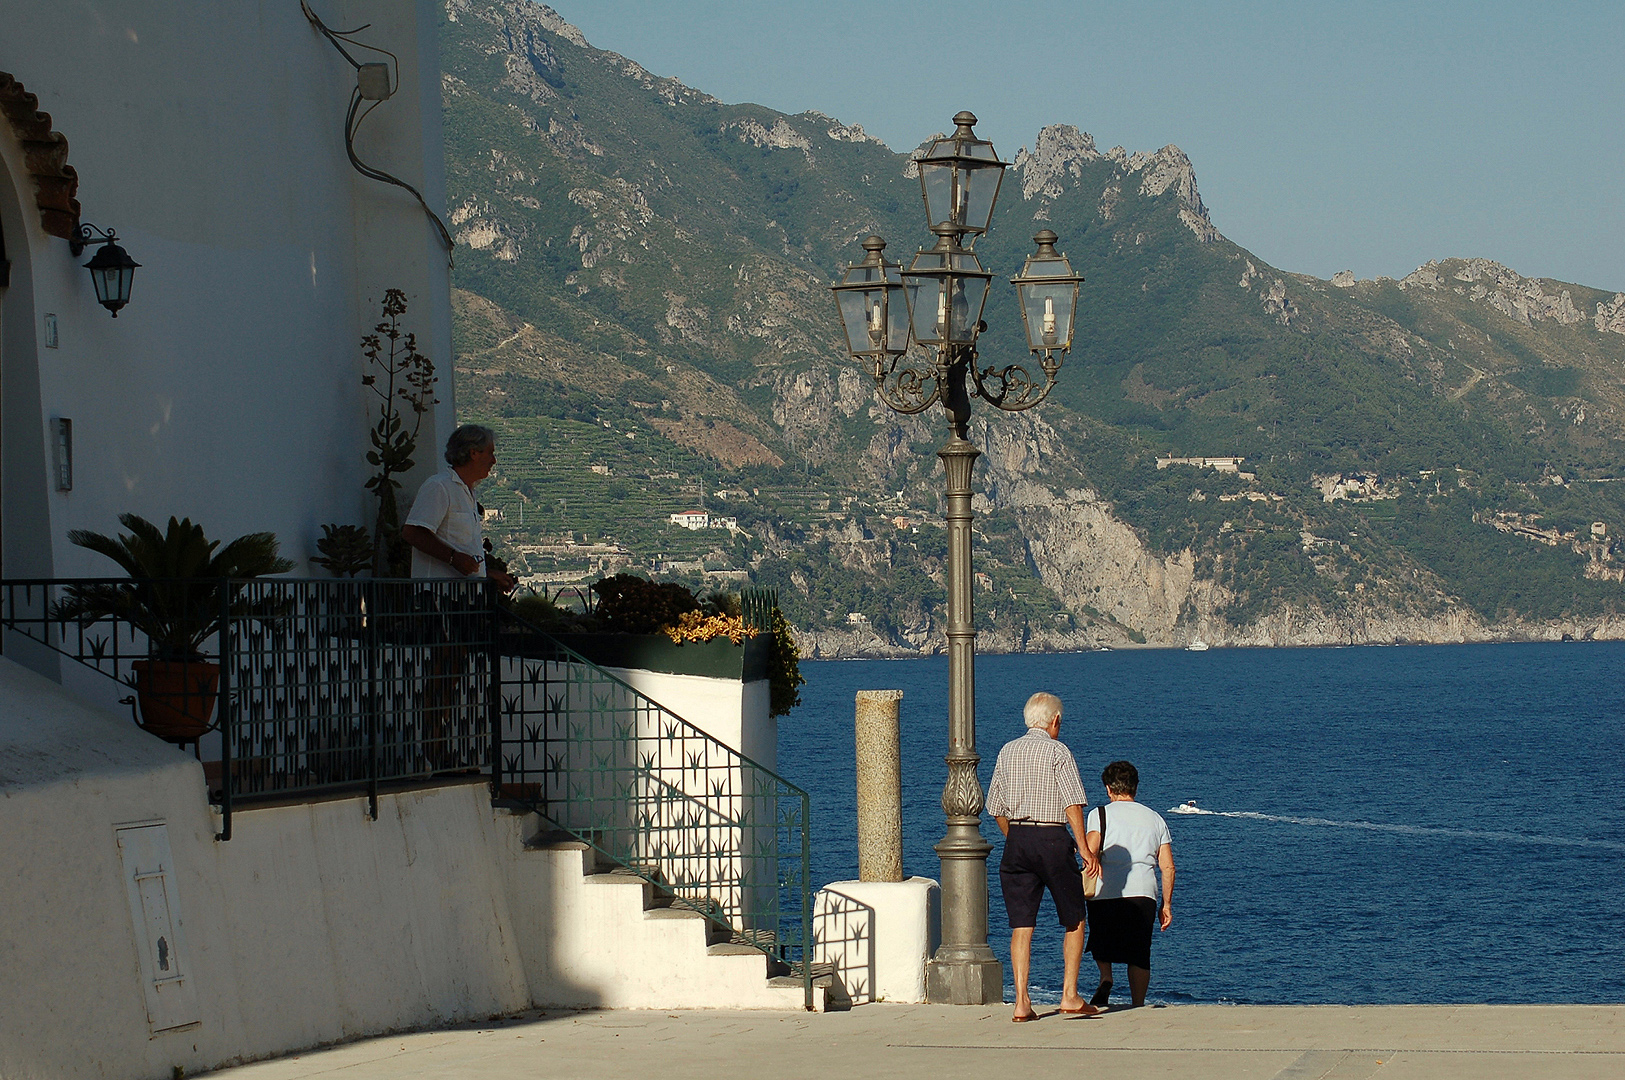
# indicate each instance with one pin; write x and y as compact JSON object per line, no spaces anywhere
{"x":1234,"y":451}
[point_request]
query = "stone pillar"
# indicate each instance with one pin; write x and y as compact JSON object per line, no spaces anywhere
{"x":880,"y":786}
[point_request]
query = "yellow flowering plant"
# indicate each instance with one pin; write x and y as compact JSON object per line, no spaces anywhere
{"x":698,"y":626}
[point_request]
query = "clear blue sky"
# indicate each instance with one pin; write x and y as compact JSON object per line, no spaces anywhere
{"x":1367,"y":136}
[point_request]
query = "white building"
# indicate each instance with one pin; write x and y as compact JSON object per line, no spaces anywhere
{"x":211,"y":138}
{"x":1217,"y":464}
{"x":692,"y":519}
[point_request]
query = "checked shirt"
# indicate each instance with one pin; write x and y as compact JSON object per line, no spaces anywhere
{"x":1035,"y":780}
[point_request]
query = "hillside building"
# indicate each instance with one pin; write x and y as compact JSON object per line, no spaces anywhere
{"x":1217,"y":464}
{"x":692,"y":519}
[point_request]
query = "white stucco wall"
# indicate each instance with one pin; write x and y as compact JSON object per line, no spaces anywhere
{"x":732,"y":712}
{"x":211,"y":137}
{"x":313,"y":924}
{"x":878,"y":935}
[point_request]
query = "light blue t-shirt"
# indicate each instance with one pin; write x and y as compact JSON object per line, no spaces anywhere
{"x":1128,"y":861}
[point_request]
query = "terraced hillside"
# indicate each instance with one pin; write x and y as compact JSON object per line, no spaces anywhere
{"x":642,"y":311}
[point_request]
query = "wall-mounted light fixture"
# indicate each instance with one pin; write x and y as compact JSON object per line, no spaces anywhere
{"x":112,"y":270}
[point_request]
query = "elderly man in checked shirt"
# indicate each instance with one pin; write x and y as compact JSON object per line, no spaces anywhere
{"x":1035,"y":794}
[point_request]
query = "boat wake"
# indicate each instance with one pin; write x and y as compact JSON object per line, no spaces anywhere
{"x":1191,"y":808}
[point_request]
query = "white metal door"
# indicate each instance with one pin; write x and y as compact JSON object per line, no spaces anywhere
{"x":149,"y":878}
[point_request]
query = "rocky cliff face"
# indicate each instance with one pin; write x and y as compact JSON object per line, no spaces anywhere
{"x":1062,"y":155}
{"x":638,"y":257}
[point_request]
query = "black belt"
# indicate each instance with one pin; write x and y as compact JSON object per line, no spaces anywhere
{"x":1038,"y":824}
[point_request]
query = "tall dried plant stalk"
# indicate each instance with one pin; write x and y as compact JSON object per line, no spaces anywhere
{"x":403,"y":379}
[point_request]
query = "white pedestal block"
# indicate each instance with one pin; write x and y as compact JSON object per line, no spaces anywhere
{"x":879,"y":934}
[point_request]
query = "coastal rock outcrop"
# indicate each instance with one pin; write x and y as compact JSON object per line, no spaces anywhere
{"x":1060,"y":150}
{"x":1061,"y":153}
{"x":1505,"y":290}
{"x":1610,"y":317}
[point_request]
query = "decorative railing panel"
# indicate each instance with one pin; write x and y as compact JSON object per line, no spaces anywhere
{"x":329,"y":683}
{"x":726,"y":836}
{"x":303,"y":685}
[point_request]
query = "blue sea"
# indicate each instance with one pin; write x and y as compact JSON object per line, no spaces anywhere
{"x":1425,"y":824}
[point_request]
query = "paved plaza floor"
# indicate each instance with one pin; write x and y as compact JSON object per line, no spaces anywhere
{"x":934,"y":1042}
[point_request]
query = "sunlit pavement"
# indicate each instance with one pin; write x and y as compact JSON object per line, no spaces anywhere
{"x":936,"y":1042}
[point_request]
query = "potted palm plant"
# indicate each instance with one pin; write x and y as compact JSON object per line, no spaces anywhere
{"x":174,"y":599}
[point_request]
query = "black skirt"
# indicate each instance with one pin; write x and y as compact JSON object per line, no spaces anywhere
{"x":1120,"y":930}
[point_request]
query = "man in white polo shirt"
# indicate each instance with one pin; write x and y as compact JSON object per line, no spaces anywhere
{"x":443,"y":526}
{"x":448,"y":541}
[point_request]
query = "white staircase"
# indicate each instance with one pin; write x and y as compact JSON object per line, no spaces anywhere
{"x":593,"y":934}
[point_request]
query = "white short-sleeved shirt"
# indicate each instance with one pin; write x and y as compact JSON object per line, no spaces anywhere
{"x":1128,"y":859}
{"x":446,"y":507}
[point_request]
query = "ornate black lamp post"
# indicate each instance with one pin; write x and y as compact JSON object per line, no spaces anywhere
{"x":943,"y":292}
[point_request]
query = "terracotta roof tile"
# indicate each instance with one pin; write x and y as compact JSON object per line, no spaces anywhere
{"x":45,"y":154}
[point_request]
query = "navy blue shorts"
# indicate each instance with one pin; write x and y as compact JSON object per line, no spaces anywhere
{"x":1037,"y":857}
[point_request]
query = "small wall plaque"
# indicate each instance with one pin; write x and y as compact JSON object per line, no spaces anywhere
{"x":50,"y":331}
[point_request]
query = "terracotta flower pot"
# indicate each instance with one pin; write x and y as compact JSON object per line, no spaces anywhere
{"x":177,"y":697}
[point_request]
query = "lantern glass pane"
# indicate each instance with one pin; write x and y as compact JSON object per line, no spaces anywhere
{"x":864,"y":326}
{"x":969,"y":295}
{"x":105,"y":279}
{"x":896,"y":320}
{"x":938,"y":183}
{"x":981,"y":191}
{"x":927,"y":304}
{"x":1047,"y":308}
{"x":126,"y":278}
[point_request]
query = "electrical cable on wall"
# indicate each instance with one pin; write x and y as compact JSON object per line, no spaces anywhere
{"x":375,"y":82}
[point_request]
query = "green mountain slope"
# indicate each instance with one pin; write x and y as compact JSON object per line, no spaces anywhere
{"x":642,"y":310}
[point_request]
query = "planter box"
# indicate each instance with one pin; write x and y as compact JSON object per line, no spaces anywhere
{"x":715,"y":659}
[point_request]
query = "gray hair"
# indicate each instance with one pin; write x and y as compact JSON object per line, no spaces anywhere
{"x":1041,"y":709}
{"x":465,"y":440}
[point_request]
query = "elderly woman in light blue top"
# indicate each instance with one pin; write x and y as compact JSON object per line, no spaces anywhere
{"x":1133,"y":845}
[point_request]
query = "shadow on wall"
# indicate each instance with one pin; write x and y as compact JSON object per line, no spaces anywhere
{"x":844,"y":929}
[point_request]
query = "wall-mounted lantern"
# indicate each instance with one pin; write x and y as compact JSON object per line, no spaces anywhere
{"x":112,"y":271}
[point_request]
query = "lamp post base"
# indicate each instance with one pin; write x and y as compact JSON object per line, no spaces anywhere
{"x":964,"y":979}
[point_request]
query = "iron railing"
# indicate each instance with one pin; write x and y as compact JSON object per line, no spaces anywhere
{"x":330,"y":684}
{"x":718,"y":832}
{"x":327,"y":685}
{"x":301,"y":687}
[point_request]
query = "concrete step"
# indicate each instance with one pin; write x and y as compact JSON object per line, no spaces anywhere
{"x":829,"y":992}
{"x":680,"y":957}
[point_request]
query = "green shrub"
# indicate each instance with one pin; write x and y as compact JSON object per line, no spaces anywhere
{"x":628,"y":604}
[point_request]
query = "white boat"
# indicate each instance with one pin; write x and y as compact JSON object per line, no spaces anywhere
{"x":1187,"y":807}
{"x":1198,"y":645}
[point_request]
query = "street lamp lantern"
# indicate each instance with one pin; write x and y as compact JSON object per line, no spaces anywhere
{"x":959,"y":177}
{"x":946,"y":287}
{"x":1048,"y":291}
{"x":870,"y":297}
{"x":112,"y":271}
